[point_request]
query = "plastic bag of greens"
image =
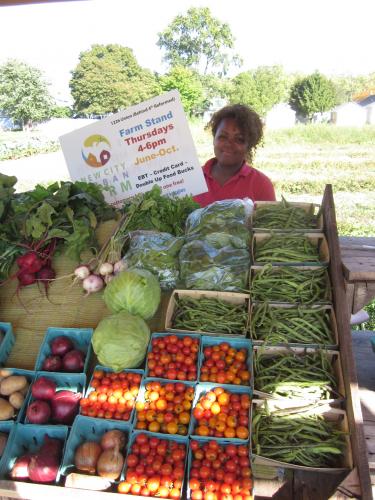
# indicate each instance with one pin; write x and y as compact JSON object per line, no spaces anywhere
{"x":205,"y":267}
{"x":156,"y":252}
{"x":226,"y":216}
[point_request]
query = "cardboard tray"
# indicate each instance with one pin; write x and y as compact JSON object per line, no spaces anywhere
{"x":334,"y":356}
{"x":333,"y":414}
{"x":307,"y":207}
{"x":231,"y":297}
{"x":317,"y":239}
{"x":327,"y":308}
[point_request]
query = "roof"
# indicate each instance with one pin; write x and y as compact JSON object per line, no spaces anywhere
{"x":368,"y":100}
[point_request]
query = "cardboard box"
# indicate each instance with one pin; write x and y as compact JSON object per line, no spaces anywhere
{"x":230,"y":297}
{"x":311,"y":208}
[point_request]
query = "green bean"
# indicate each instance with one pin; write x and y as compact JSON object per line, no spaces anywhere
{"x":286,"y":248}
{"x":284,"y":216}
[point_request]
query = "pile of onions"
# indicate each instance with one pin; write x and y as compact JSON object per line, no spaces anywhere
{"x":64,"y":356}
{"x":104,"y":458}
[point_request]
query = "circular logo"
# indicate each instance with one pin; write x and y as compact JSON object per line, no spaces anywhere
{"x":95,"y":151}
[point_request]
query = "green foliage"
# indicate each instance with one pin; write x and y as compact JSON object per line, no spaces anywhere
{"x":198,"y":40}
{"x":313,"y":94}
{"x":108,"y":78}
{"x":260,"y":89}
{"x":61,"y":112}
{"x":24,"y":95}
{"x":353,"y":87}
{"x":187,"y":82}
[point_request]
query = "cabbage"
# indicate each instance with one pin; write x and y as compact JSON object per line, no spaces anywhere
{"x":136,"y":291}
{"x":120,"y":341}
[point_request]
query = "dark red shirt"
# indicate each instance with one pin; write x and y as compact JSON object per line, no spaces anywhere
{"x":247,"y":183}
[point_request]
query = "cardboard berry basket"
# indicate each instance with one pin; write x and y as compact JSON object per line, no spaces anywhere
{"x":90,"y":389}
{"x":90,"y":429}
{"x":7,"y":428}
{"x":336,"y":416}
{"x":309,"y":208}
{"x":30,"y":375}
{"x":202,"y":389}
{"x":318,"y":240}
{"x":216,"y":476}
{"x":326,"y":312}
{"x":230,"y":297}
{"x":180,"y":336}
{"x":28,"y":439}
{"x":81,"y":338}
{"x":276,"y":352}
{"x":323,"y":296}
{"x":7,"y":342}
{"x":142,"y":399}
{"x":210,"y":341}
{"x":163,"y":439}
{"x":74,"y":382}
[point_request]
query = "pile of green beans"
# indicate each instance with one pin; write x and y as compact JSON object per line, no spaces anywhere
{"x":286,"y":248}
{"x":211,"y":315}
{"x":284,"y":216}
{"x":306,"y":376}
{"x":300,"y":439}
{"x":301,"y":324}
{"x":287,"y":284}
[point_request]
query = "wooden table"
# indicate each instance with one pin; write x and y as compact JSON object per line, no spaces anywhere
{"x":358,"y":263}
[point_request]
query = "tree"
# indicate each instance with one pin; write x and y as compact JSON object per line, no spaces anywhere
{"x":313,"y":94}
{"x":24,"y":96}
{"x":187,"y":82}
{"x":108,"y":78}
{"x":351,"y":87}
{"x":199,"y":41}
{"x":260,"y":89}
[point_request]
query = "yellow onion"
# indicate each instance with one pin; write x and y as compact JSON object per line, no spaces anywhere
{"x":110,"y":464}
{"x":86,"y":456}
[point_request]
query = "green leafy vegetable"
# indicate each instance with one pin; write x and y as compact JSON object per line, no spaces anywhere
{"x":120,"y":341}
{"x":136,"y":291}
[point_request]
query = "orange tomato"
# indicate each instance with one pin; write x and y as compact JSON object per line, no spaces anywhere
{"x":172,"y":428}
{"x":242,"y":432}
{"x":223,"y":399}
{"x":154,"y":426}
{"x":184,"y":417}
{"x":215,"y":408}
{"x":202,"y":430}
{"x":229,"y":432}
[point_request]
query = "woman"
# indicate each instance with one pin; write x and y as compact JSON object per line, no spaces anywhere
{"x":236,"y":130}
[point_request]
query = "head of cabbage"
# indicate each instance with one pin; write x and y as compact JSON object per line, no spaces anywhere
{"x":134,"y":290}
{"x":120,"y":341}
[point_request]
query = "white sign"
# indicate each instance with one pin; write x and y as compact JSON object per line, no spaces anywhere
{"x":131,"y":151}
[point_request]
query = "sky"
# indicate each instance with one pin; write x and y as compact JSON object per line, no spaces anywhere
{"x":334,"y":37}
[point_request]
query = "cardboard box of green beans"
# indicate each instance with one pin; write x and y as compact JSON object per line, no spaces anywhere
{"x":288,"y":434}
{"x":298,"y":373}
{"x":279,"y":324}
{"x":306,"y":285}
{"x":288,"y":249}
{"x":286,"y":216}
{"x":208,"y":312}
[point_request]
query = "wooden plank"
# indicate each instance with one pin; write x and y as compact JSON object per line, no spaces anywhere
{"x":363,"y":295}
{"x":358,"y":258}
{"x":343,"y":323}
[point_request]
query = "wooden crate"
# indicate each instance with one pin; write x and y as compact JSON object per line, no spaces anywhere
{"x":307,"y":207}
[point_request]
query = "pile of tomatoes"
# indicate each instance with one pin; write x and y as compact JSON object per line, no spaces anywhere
{"x":220,"y":472}
{"x":222,"y":414}
{"x":155,"y":467}
{"x":224,"y":364}
{"x":165,"y":407}
{"x":113,"y":395}
{"x":173,"y":357}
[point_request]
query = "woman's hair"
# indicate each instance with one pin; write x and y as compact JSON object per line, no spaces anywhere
{"x":247,"y":120}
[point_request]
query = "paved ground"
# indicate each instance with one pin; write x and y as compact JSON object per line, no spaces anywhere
{"x":37,"y":169}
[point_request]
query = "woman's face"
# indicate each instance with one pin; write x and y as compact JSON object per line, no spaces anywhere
{"x":230,"y":145}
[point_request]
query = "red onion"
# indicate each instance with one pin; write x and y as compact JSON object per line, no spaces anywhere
{"x":73,"y":361}
{"x":43,"y":468}
{"x":43,"y":388}
{"x":51,"y":446}
{"x":61,"y":345}
{"x":20,"y":469}
{"x":52,"y":364}
{"x":65,"y":406}
{"x":38,"y":412}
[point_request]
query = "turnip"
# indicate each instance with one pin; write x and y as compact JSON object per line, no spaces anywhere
{"x":81,"y":272}
{"x":93,"y":283}
{"x":119,"y":266}
{"x":105,"y":269}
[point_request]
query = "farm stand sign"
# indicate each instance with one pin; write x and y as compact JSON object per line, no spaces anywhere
{"x":131,"y":151}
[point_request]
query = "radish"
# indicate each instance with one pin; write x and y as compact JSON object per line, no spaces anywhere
{"x":93,"y":283}
{"x":106,"y":268}
{"x":119,"y":266}
{"x":30,"y":262}
{"x":81,"y":272}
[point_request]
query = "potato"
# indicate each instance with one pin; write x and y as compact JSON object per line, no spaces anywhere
{"x":4,"y":373}
{"x":6,"y":410}
{"x":12,"y":384}
{"x":16,"y":399}
{"x":24,"y":390}
{"x":3,"y":442}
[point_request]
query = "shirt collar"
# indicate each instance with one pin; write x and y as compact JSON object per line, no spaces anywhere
{"x":243,"y":172}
